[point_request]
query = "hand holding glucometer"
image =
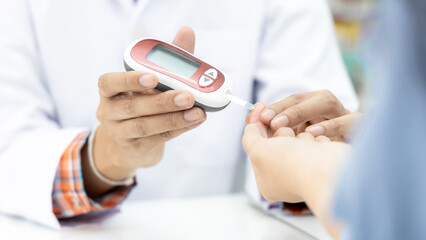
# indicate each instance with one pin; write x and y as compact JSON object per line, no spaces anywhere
{"x":136,"y":120}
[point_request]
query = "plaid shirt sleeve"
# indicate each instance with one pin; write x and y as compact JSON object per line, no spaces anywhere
{"x":69,"y":197}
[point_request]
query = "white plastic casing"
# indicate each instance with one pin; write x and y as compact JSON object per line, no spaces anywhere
{"x":212,"y":101}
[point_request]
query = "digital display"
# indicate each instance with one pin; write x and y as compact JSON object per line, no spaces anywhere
{"x":173,"y":61}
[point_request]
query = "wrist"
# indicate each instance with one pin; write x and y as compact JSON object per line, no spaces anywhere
{"x":108,"y":158}
{"x":319,"y":194}
{"x":320,"y":178}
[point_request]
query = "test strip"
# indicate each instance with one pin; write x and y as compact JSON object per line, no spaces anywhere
{"x":241,"y":102}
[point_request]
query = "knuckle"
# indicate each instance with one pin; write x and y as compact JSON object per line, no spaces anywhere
{"x":295,"y":114}
{"x":127,"y":81}
{"x":161,"y":102}
{"x":139,"y":126}
{"x":337,"y":127}
{"x":166,"y":135}
{"x":296,"y":98}
{"x":102,"y":83}
{"x":128,"y":105}
{"x":332,"y":104}
{"x":173,"y":121}
{"x":330,"y":99}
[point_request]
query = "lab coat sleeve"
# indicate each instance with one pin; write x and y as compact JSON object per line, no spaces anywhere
{"x":31,"y":139}
{"x":298,"y":53}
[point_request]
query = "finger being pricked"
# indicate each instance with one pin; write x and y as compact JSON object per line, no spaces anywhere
{"x":157,"y":124}
{"x":254,"y":116}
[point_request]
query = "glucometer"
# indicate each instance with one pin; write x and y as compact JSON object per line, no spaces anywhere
{"x":180,"y":70}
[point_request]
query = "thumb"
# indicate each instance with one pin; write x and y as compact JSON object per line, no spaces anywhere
{"x":185,"y":39}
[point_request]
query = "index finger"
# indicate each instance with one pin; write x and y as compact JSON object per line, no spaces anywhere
{"x":272,"y":110}
{"x":111,"y":84}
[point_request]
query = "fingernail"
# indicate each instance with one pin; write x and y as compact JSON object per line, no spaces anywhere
{"x":192,"y":115}
{"x":182,"y":100}
{"x":280,"y":121}
{"x":316,"y":130}
{"x":147,"y":80}
{"x":268,"y":114}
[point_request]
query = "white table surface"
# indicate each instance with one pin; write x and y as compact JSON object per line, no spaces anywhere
{"x":219,"y":217}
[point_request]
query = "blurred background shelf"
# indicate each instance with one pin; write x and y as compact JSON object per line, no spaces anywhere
{"x":352,"y":20}
{"x":351,"y":10}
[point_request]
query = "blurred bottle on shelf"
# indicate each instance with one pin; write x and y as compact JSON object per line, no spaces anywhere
{"x":352,"y":18}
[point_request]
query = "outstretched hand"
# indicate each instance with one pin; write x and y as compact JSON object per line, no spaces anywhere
{"x":319,"y":113}
{"x":279,"y":158}
{"x":294,"y":168}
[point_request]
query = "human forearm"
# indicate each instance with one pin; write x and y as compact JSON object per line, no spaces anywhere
{"x":318,"y":187}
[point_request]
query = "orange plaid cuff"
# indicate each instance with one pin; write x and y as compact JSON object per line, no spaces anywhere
{"x":69,"y":197}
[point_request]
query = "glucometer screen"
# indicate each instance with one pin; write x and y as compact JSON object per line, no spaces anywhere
{"x":173,"y":61}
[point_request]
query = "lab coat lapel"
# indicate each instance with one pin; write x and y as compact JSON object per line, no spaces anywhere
{"x":137,"y":29}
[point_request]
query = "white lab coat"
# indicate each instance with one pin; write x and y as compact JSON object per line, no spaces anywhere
{"x":53,"y":51}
